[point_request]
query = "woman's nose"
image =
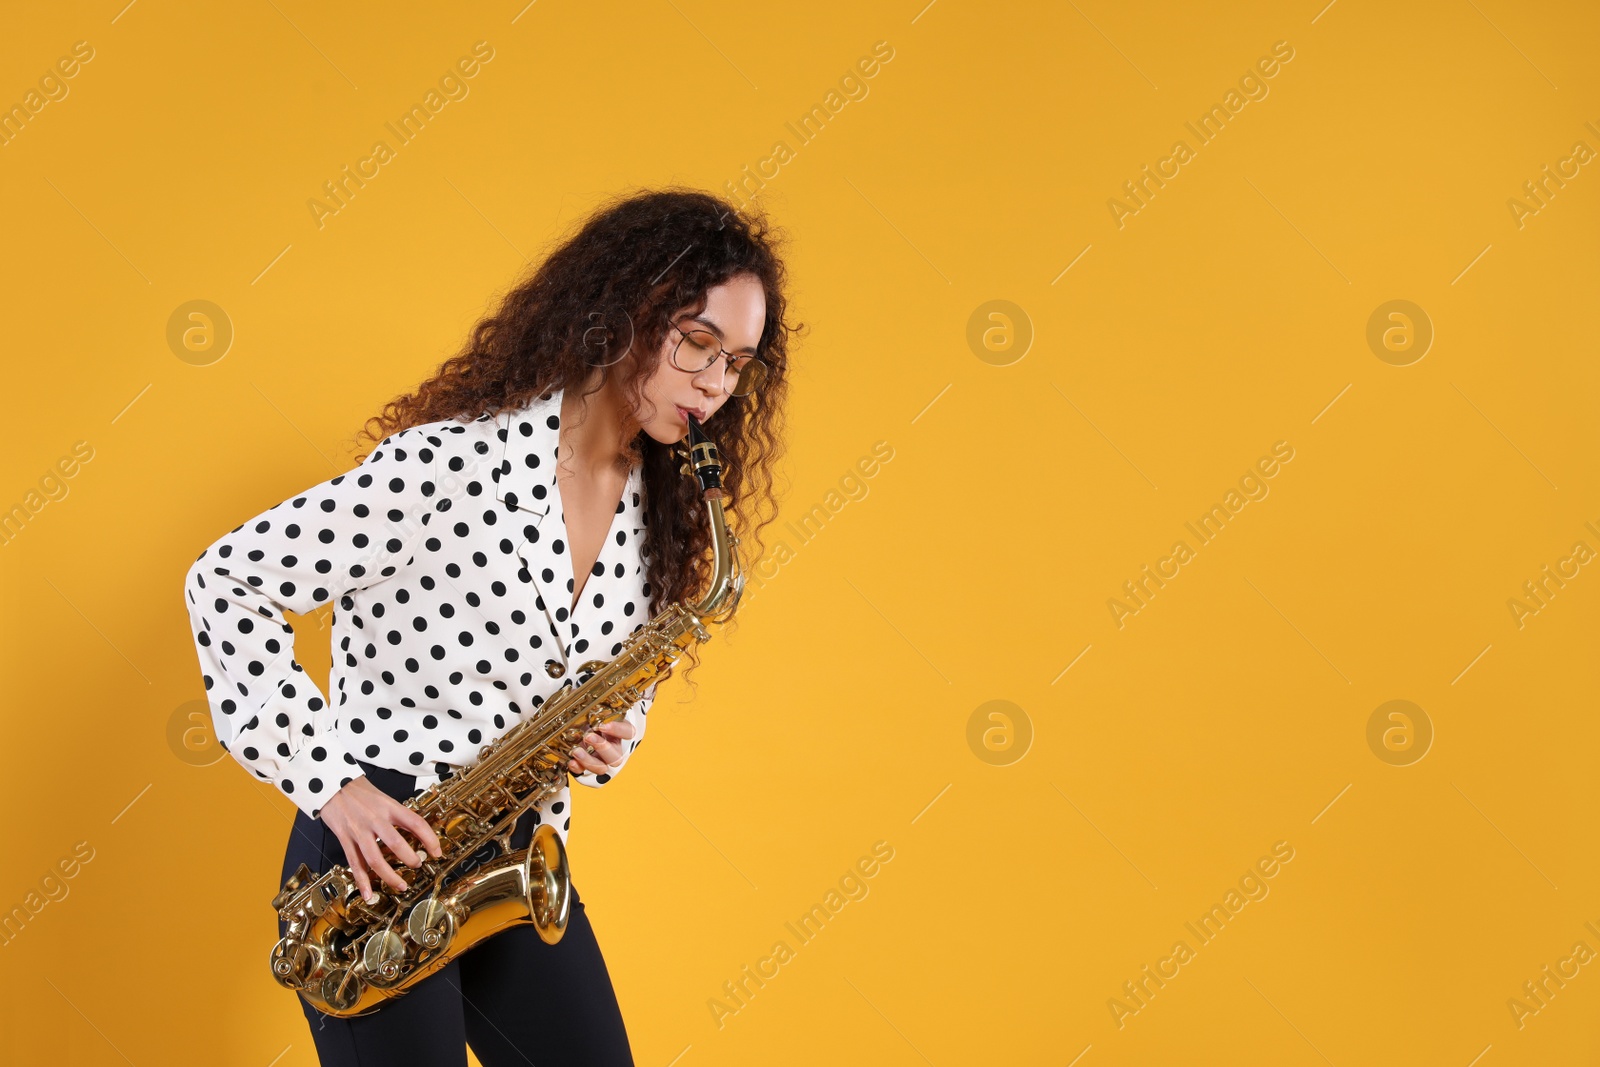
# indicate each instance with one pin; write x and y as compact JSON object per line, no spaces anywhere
{"x":714,"y":379}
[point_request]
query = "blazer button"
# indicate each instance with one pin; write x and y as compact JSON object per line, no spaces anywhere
{"x":553,"y":668}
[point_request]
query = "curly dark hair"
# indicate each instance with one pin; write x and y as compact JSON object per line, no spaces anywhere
{"x":604,"y":298}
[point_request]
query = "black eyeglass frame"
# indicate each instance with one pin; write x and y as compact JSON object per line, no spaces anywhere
{"x":683,"y":335}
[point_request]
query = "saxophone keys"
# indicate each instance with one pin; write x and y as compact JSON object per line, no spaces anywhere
{"x":318,"y":899}
{"x":342,"y":988}
{"x":296,"y":880}
{"x":431,"y":925}
{"x":383,"y":957}
{"x":292,"y":962}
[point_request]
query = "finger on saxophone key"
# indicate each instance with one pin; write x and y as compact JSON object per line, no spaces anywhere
{"x":399,"y":847}
{"x":421,"y":830}
{"x":358,"y":870}
{"x":620,"y":731}
{"x":377,"y":864}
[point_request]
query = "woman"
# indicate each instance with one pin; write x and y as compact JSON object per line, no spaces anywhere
{"x":524,"y":513}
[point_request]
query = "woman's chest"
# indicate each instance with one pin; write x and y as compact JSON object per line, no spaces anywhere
{"x":591,"y":509}
{"x":500,"y":583}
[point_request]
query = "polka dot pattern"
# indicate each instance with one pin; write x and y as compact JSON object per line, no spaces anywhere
{"x":445,"y":557}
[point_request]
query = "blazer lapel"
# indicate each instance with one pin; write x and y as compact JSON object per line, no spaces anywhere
{"x":526,"y":482}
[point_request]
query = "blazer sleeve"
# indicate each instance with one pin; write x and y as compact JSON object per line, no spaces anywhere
{"x":351,"y":532}
{"x":635,"y":715}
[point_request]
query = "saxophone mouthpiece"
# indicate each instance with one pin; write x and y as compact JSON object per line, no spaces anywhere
{"x":704,"y":460}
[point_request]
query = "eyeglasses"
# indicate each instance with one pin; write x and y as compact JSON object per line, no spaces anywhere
{"x":697,"y":350}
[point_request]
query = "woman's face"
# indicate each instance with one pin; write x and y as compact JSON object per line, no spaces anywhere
{"x":736,"y":312}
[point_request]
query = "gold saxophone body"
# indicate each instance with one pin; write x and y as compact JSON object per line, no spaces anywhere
{"x":346,"y":957}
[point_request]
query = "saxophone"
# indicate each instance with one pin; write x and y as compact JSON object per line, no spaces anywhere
{"x":346,"y":957}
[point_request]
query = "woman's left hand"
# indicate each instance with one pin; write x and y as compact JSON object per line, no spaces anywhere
{"x":606,"y":740}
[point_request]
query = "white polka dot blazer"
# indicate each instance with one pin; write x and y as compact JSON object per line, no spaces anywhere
{"x":445,"y":555}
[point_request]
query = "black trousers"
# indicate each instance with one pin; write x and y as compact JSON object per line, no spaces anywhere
{"x":516,"y":1000}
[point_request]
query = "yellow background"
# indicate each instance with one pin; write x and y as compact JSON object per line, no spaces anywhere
{"x":976,"y":565}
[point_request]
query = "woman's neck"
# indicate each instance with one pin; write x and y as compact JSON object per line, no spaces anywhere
{"x":597,"y":432}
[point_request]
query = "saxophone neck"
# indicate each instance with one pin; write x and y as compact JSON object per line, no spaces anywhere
{"x":727,"y":576}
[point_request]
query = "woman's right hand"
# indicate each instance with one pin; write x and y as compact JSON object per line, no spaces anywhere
{"x":360,"y":815}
